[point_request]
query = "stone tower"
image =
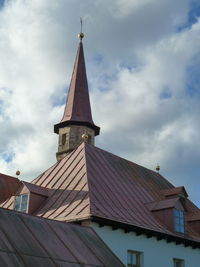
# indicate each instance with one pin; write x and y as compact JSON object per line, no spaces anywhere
{"x":77,"y":118}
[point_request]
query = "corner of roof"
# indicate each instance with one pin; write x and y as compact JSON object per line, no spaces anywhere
{"x":86,"y":147}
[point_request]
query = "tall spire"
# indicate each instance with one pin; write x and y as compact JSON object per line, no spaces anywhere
{"x":77,"y":110}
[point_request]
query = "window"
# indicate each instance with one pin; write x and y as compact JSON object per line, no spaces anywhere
{"x":89,"y":139}
{"x":178,"y":263}
{"x":134,"y":259}
{"x":179,"y":224}
{"x":21,"y":203}
{"x":64,"y":139}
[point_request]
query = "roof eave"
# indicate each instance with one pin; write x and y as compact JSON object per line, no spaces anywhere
{"x":148,"y":232}
{"x":71,"y":122}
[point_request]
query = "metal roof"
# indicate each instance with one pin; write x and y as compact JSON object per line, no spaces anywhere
{"x":90,"y":182}
{"x":43,"y":191}
{"x":33,"y":241}
{"x":77,"y":109}
{"x":163,"y":204}
{"x":175,"y":191}
{"x":8,"y":186}
{"x":193,"y":216}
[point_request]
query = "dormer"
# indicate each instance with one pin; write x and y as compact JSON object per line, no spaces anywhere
{"x":170,"y":212}
{"x":193,"y":220}
{"x":175,"y":192}
{"x":30,"y":197}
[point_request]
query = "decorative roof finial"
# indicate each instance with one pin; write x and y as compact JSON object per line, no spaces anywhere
{"x":157,"y":167}
{"x":81,"y":35}
{"x":85,"y":137}
{"x":18,"y":173}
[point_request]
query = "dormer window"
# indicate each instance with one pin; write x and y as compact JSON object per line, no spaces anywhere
{"x":179,"y":221}
{"x":21,"y":203}
{"x":29,"y":197}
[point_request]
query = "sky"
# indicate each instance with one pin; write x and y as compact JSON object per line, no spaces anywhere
{"x":143,"y":68}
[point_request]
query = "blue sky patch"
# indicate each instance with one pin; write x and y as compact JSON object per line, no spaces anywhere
{"x":193,"y":77}
{"x":98,"y":59}
{"x":193,"y":15}
{"x":165,"y":94}
{"x":8,"y":157}
{"x":59,"y":100}
{"x":2,"y":3}
{"x":194,"y":12}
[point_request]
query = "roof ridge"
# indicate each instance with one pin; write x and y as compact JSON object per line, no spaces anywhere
{"x":120,"y":157}
{"x":85,"y":145}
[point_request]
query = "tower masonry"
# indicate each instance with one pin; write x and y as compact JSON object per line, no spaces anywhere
{"x":77,"y":124}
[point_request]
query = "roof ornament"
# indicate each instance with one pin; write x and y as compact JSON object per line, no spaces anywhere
{"x":157,"y":167}
{"x":84,"y":138}
{"x":81,"y":34}
{"x":18,"y":173}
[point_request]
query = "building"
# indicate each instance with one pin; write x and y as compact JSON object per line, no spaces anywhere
{"x":142,"y":217}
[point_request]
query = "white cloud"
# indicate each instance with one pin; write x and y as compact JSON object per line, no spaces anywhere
{"x":137,"y":63}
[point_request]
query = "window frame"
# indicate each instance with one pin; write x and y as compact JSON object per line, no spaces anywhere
{"x":138,"y":255}
{"x":63,"y":139}
{"x":179,"y":221}
{"x":181,"y":261}
{"x":23,"y":205}
{"x":89,"y":139}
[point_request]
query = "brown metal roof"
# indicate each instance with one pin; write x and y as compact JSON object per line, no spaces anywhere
{"x":39,"y":190}
{"x":33,"y":241}
{"x":77,"y":109}
{"x":163,"y":204}
{"x":8,"y":186}
{"x":175,"y":191}
{"x":90,"y":182}
{"x":195,"y":216}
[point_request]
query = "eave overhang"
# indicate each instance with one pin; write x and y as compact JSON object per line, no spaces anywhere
{"x":178,"y":240}
{"x":82,"y":123}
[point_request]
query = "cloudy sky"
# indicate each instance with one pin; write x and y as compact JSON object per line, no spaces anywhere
{"x":143,"y":65}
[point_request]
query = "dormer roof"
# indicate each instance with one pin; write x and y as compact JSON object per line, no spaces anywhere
{"x":193,"y":216}
{"x":163,"y":204}
{"x":175,"y":191}
{"x":35,"y":189}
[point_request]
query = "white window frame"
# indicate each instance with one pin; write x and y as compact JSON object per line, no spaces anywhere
{"x":21,"y":203}
{"x":138,"y":254}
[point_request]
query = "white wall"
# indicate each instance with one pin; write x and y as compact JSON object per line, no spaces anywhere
{"x":156,"y":253}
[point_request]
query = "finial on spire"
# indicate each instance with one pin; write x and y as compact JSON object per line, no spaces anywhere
{"x":81,"y":35}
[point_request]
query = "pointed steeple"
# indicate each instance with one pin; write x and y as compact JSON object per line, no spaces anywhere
{"x":77,"y":110}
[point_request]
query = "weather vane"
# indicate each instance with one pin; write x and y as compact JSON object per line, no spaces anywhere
{"x":81,"y":35}
{"x":81,"y":24}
